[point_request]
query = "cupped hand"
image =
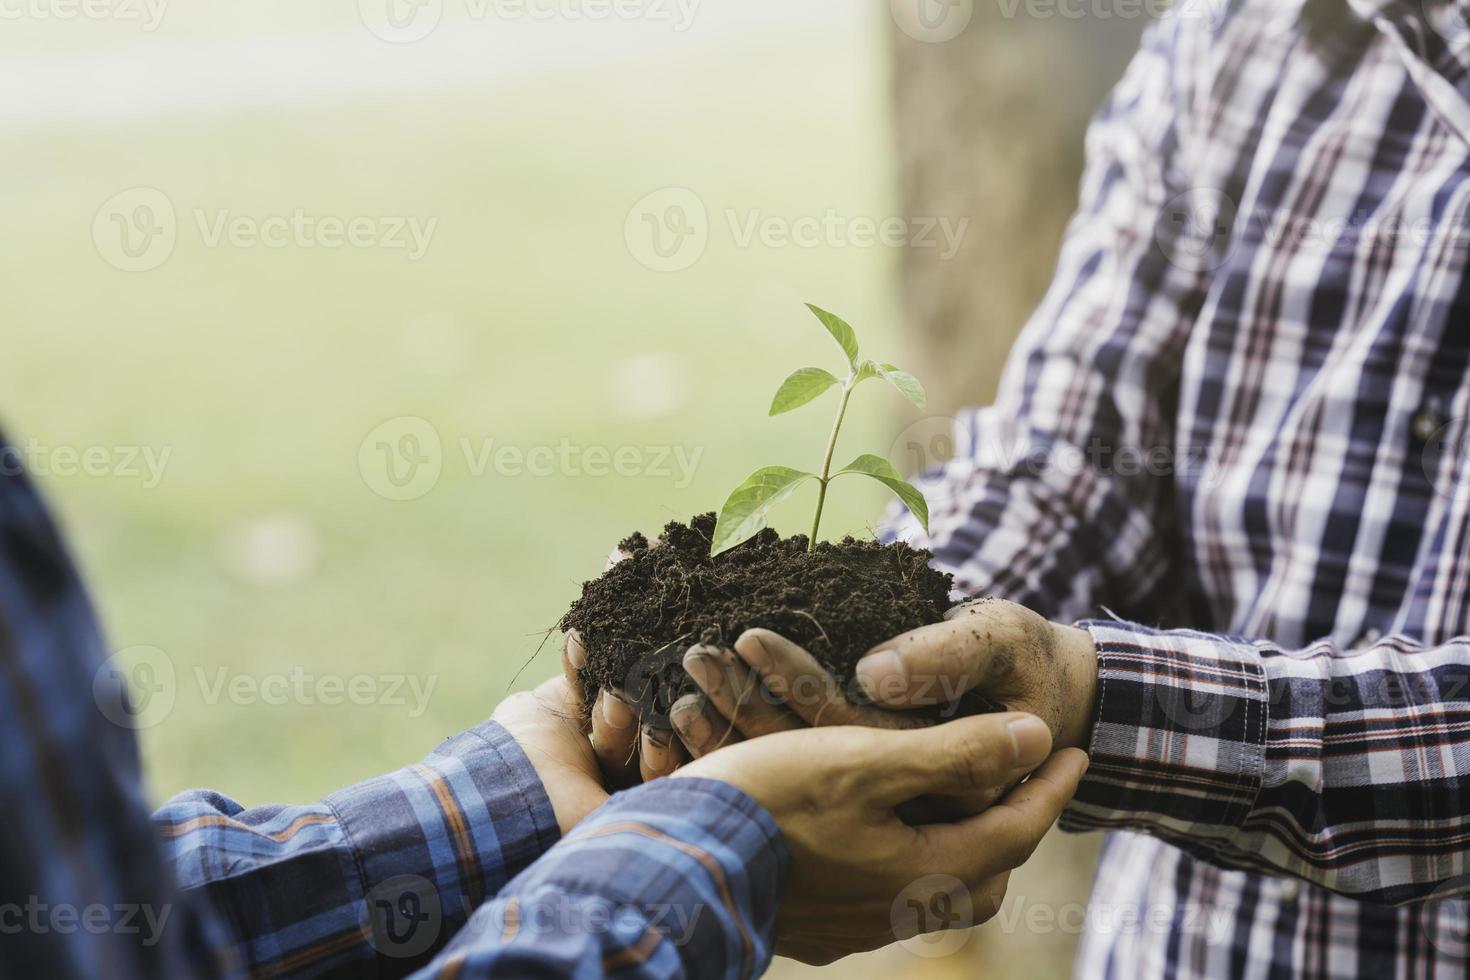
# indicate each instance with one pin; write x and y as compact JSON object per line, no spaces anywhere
{"x":547,"y":724}
{"x":861,"y":877}
{"x":1001,"y":649}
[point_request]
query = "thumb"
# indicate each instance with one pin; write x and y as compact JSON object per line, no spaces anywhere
{"x":1007,"y":834}
{"x":961,"y":757}
{"x":932,"y":665}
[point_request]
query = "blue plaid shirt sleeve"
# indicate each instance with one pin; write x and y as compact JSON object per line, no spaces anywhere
{"x":378,"y":878}
{"x":677,"y":878}
{"x":312,"y":889}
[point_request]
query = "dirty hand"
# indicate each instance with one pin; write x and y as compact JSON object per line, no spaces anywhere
{"x":860,"y":876}
{"x":1001,"y":649}
{"x":627,"y":750}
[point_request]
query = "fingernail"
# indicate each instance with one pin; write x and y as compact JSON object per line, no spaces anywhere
{"x":576,"y":652}
{"x":687,"y":716}
{"x":881,"y":673}
{"x":657,"y":737}
{"x":704,"y":671}
{"x":682,"y":708}
{"x":1031,"y":739}
{"x":617,"y":714}
{"x":756,"y":653}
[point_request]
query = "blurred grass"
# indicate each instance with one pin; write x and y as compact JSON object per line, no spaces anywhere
{"x":263,"y":550}
{"x":261,"y":370}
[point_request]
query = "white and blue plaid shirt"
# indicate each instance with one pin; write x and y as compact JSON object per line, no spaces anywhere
{"x":1240,"y":410}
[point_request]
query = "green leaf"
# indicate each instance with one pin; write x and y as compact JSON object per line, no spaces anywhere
{"x":800,"y":388}
{"x":866,"y":370}
{"x":840,"y":331}
{"x":744,"y":513}
{"x":904,"y":382}
{"x":881,"y":470}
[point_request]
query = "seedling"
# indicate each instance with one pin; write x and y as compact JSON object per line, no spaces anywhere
{"x":745,"y":512}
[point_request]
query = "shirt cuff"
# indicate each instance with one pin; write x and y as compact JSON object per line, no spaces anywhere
{"x":701,"y":862}
{"x":453,"y":830}
{"x":1179,"y":740}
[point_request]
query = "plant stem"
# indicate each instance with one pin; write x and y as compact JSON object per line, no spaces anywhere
{"x":826,"y":476}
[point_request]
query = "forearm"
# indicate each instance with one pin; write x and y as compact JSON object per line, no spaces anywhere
{"x":1350,"y":770}
{"x":675,"y":878}
{"x":306,"y":889}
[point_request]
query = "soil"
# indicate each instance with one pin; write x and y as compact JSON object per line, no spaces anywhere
{"x":838,"y":601}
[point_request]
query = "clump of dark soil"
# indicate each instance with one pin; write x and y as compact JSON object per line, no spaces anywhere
{"x":838,"y":601}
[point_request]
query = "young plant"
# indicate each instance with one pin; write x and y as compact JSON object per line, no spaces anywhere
{"x":745,"y":513}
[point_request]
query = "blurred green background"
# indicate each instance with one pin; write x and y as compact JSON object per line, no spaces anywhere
{"x":551,"y":158}
{"x":529,"y":321}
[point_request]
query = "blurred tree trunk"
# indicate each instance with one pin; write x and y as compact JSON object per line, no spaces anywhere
{"x":989,"y":127}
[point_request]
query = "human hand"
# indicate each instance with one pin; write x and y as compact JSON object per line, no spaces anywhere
{"x":856,"y":865}
{"x":547,"y":725}
{"x":1001,"y":649}
{"x":626,"y":750}
{"x":763,"y":685}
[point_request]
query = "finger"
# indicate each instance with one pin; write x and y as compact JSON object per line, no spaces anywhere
{"x":659,"y":753}
{"x":573,"y":659}
{"x":735,"y":692}
{"x":792,"y":674}
{"x":961,"y":758}
{"x":618,"y":554}
{"x":987,"y":897}
{"x":615,"y":740}
{"x":936,"y":665}
{"x":560,"y":697}
{"x":701,"y":728}
{"x":1006,"y":835}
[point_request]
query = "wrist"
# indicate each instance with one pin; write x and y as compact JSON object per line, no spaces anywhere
{"x":1079,"y":691}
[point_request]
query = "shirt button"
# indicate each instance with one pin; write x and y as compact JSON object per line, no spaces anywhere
{"x":1290,"y":888}
{"x":1427,"y":421}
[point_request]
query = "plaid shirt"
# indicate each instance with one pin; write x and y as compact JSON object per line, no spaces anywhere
{"x":1240,"y":409}
{"x":448,"y":868}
